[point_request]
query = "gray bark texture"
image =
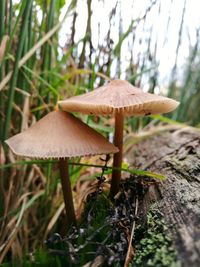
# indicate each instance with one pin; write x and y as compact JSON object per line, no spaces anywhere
{"x":176,"y":154}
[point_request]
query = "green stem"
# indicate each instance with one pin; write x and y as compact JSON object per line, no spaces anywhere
{"x":11,"y":91}
{"x":2,"y":18}
{"x":2,"y":25}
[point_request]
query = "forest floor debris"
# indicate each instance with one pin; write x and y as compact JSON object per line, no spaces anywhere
{"x":105,"y":235}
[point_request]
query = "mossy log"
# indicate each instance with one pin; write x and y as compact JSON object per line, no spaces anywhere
{"x":175,"y":154}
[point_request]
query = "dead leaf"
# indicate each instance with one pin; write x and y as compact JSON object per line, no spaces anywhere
{"x":97,"y":262}
{"x":3,"y":47}
{"x":2,"y":155}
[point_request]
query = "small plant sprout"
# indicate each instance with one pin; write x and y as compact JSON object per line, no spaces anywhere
{"x":118,"y":98}
{"x":60,"y":135}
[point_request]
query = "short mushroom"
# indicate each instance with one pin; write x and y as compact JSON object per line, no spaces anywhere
{"x":60,"y":135}
{"x":120,"y":98}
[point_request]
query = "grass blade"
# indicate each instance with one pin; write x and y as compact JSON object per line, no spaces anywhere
{"x":11,"y":91}
{"x":132,"y":171}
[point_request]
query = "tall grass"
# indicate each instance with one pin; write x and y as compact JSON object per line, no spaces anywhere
{"x":26,"y":62}
{"x":35,"y":71}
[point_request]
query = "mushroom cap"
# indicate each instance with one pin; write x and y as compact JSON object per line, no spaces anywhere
{"x":119,"y":96}
{"x":59,"y":135}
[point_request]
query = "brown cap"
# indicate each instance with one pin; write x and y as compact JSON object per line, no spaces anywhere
{"x":119,"y":96}
{"x":59,"y":135}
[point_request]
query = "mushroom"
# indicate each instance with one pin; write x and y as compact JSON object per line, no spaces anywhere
{"x":120,"y":98}
{"x":60,"y":135}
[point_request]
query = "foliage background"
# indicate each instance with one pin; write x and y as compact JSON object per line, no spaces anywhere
{"x":38,"y":67}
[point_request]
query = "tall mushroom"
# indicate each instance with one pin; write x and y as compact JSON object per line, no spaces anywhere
{"x":120,"y":98}
{"x":60,"y":135}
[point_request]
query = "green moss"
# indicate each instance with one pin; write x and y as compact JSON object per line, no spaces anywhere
{"x":155,"y":248}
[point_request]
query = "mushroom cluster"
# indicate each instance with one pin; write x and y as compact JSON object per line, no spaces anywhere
{"x":118,"y":98}
{"x":60,"y":135}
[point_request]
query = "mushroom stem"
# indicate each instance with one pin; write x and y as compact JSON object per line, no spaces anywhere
{"x":67,"y":192}
{"x":117,"y":160}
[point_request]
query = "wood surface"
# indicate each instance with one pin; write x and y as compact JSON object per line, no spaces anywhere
{"x":176,"y":154}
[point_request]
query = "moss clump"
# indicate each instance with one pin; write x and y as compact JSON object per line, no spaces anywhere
{"x":155,"y":248}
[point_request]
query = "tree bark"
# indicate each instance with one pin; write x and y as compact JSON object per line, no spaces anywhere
{"x":175,"y":154}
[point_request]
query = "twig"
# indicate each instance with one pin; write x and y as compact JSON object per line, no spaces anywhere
{"x":101,"y":180}
{"x":54,"y":219}
{"x":128,"y":255}
{"x":97,"y":262}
